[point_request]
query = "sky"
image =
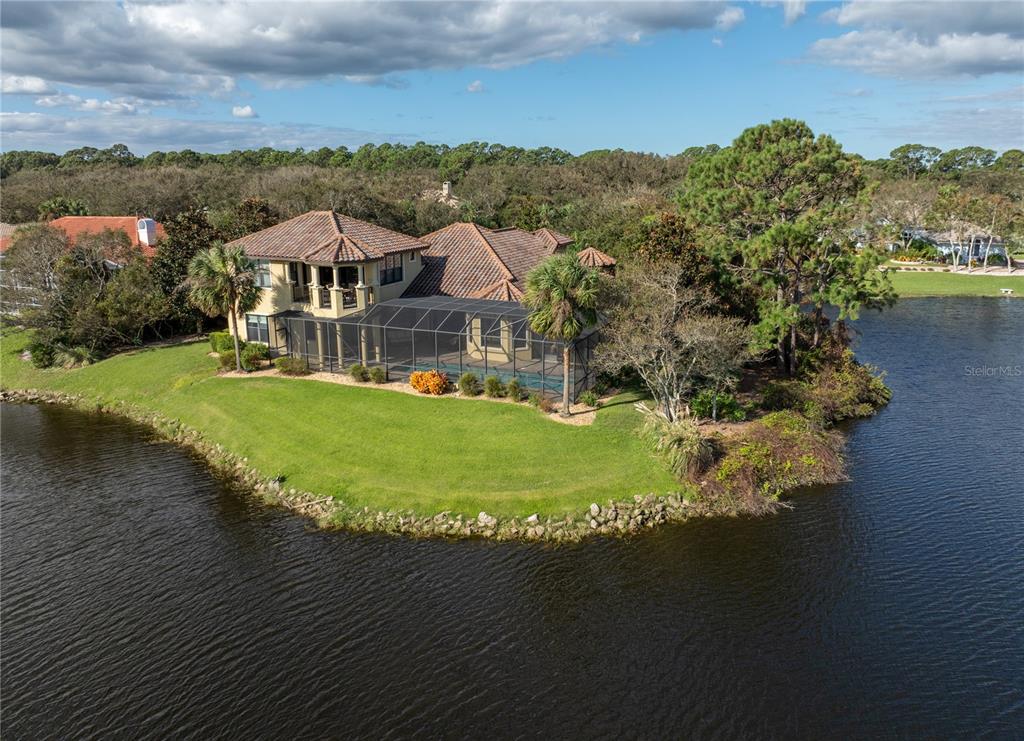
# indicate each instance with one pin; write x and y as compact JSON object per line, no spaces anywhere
{"x":643,"y":76}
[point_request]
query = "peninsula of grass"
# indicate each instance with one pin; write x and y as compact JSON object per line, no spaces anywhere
{"x":925,"y":283}
{"x":371,"y":447}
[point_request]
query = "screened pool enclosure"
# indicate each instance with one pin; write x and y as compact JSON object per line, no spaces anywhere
{"x":453,"y":335}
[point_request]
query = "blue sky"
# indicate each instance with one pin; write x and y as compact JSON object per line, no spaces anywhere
{"x":642,"y":76}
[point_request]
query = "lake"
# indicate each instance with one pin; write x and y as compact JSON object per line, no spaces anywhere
{"x":142,"y":597}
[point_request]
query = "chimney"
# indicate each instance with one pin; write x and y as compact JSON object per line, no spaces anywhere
{"x":147,"y":231}
{"x":446,"y":188}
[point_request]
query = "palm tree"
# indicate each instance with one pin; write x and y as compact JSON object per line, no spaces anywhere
{"x":222,"y":281}
{"x":562,"y":296}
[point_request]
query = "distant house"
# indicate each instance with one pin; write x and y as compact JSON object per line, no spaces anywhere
{"x":340,"y":291}
{"x":143,"y":233}
{"x":6,"y":232}
{"x":971,"y":242}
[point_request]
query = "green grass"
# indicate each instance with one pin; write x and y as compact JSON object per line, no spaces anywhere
{"x":373,"y":447}
{"x":954,"y":284}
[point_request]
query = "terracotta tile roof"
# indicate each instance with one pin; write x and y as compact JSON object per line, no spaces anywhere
{"x":76,"y":226}
{"x":503,"y":290}
{"x":594,"y":258}
{"x":556,"y":240}
{"x":326,"y":236}
{"x":472,"y":261}
{"x":6,"y":232}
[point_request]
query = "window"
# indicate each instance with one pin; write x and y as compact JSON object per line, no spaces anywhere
{"x":263,"y":273}
{"x":391,"y":270}
{"x":293,"y":273}
{"x":412,"y":257}
{"x":257,"y":329}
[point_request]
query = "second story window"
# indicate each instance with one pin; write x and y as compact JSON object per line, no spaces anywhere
{"x":263,"y":274}
{"x":391,"y":270}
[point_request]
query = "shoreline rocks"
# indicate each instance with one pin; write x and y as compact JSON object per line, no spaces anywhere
{"x":614,"y":518}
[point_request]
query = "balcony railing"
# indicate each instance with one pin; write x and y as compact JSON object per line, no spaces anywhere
{"x":325,"y":298}
{"x":348,"y":298}
{"x":300,"y":294}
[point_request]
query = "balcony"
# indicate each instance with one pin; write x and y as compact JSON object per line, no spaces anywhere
{"x":300,"y":293}
{"x":325,"y":297}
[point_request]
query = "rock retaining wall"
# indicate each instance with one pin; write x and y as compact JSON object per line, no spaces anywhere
{"x":613,"y":518}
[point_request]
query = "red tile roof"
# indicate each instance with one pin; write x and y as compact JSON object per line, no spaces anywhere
{"x":76,"y":226}
{"x":326,"y":237}
{"x":594,"y":258}
{"x":472,"y":261}
{"x":6,"y":232}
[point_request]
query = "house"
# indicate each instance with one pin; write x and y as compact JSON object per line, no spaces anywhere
{"x":6,"y":232}
{"x":969,"y":243}
{"x":339,"y":291}
{"x":143,"y":233}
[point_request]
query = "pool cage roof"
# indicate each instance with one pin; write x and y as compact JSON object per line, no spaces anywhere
{"x":446,"y":314}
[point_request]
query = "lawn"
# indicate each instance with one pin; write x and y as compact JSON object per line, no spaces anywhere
{"x":954,"y":284}
{"x":373,"y":447}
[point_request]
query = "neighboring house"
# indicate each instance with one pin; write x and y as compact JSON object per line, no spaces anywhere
{"x":339,"y":291}
{"x":971,"y":242}
{"x":445,"y":196}
{"x":6,"y":232}
{"x":143,"y":233}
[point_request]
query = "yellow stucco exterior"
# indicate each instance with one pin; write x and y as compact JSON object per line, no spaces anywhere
{"x":284,"y":294}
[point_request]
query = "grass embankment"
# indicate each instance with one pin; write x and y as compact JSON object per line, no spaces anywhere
{"x":372,"y":447}
{"x":925,"y":283}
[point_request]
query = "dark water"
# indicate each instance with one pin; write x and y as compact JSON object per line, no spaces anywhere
{"x":140,"y":598}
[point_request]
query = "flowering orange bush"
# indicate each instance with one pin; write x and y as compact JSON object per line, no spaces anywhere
{"x":429,"y":382}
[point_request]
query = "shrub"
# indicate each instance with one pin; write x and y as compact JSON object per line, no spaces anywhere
{"x":590,"y":398}
{"x":513,"y":389}
{"x":781,"y":451}
{"x":254,"y":355}
{"x":541,"y":402}
{"x":227,"y":360}
{"x":221,"y":341}
{"x":724,"y":407}
{"x":469,"y":384}
{"x":493,"y":387}
{"x":686,"y":451}
{"x":42,"y":354}
{"x":378,"y":375}
{"x":430,"y":382}
{"x":288,"y":366}
{"x":359,"y":373}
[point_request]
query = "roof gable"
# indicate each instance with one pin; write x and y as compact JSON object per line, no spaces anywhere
{"x":472,"y":261}
{"x":326,"y":236}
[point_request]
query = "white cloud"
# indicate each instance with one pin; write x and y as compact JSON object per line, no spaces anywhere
{"x":901,"y":54}
{"x":93,"y":105}
{"x":475,"y":87}
{"x":143,"y":134}
{"x":792,"y":10}
{"x":729,"y":18}
{"x":1000,"y":128}
{"x":24,"y":85}
{"x":717,"y":42}
{"x":156,"y":50}
{"x":244,"y":111}
{"x":926,"y":39}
